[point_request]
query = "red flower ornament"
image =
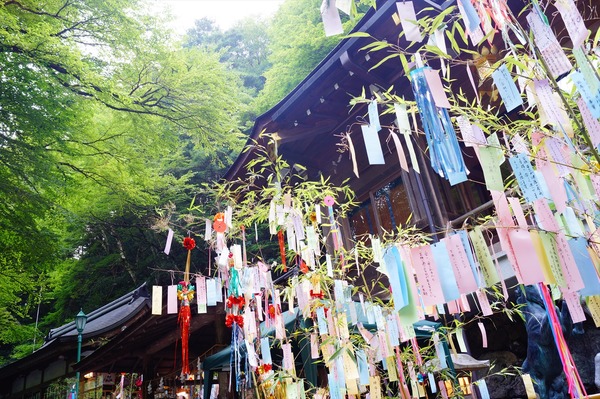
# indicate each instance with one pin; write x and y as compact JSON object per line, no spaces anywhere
{"x":189,"y":243}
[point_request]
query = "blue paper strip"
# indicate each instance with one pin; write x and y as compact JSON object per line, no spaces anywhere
{"x":393,"y":264}
{"x":363,"y":367}
{"x":464,"y":238}
{"x":592,"y":99}
{"x":322,"y":321}
{"x":392,"y":331}
{"x":334,"y":390}
{"x":265,"y":350}
{"x":444,"y":151}
{"x":483,"y":389}
{"x":472,"y":16}
{"x":374,"y":116}
{"x":585,"y":266}
{"x":372,"y":145}
{"x":445,"y":272}
{"x":341,"y":376}
{"x":507,"y":88}
{"x":526,"y":177}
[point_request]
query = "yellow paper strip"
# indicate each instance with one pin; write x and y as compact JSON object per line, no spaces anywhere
{"x":528,"y":386}
{"x":157,"y":300}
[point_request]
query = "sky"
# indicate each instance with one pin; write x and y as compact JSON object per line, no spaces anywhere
{"x":224,"y":12}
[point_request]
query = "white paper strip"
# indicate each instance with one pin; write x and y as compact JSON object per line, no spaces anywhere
{"x":157,"y":297}
{"x":408,"y":19}
{"x":169,"y":242}
{"x":171,"y":299}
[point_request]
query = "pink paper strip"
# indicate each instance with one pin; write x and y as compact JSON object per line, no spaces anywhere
{"x":437,"y":89}
{"x":574,"y":305}
{"x":567,"y":263}
{"x":400,"y":150}
{"x":443,"y":391}
{"x":555,"y":186}
{"x":427,"y":275}
{"x":484,"y":342}
{"x":453,"y":307}
{"x":506,"y":245}
{"x":545,"y":215}
{"x":591,"y":124}
{"x":517,"y":209}
{"x":502,"y":209}
{"x":464,"y":303}
{"x":460,"y":264}
{"x":484,"y":303}
{"x":526,"y":256}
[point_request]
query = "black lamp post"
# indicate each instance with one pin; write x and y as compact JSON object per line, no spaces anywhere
{"x":80,"y":321}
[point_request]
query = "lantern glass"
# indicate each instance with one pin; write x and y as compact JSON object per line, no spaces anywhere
{"x":80,"y":321}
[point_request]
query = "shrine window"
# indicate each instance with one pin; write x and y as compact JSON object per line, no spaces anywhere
{"x":386,"y":209}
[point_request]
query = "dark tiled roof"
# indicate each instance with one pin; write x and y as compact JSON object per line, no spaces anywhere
{"x":105,"y":318}
{"x":61,"y":340}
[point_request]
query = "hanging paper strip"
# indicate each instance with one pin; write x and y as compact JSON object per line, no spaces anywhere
{"x":167,"y":249}
{"x":444,"y":268}
{"x":552,"y":53}
{"x":408,"y":18}
{"x":157,"y":298}
{"x":372,"y":145}
{"x":579,"y":249}
{"x":171,"y":299}
{"x":395,"y":272}
{"x":427,"y":275}
{"x":201,"y":288}
{"x":446,"y":158}
{"x":463,"y":274}
{"x":507,"y":88}
{"x":591,"y":98}
{"x":573,"y":21}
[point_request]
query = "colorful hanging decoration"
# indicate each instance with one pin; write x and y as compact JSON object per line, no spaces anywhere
{"x":444,"y":151}
{"x":185,"y":293}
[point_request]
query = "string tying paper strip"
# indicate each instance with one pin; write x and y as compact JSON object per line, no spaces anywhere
{"x":446,"y":158}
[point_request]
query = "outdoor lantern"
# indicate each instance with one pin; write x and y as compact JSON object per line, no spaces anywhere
{"x":80,"y":321}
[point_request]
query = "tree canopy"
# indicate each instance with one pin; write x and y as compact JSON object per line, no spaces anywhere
{"x":108,"y":121}
{"x":101,"y":122}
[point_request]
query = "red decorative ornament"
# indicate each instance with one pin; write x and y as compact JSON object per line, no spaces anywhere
{"x":237,"y":319}
{"x":240,"y":301}
{"x":265,"y":368}
{"x":219,"y":224}
{"x":184,"y":319}
{"x":189,"y":243}
{"x":303,"y":266}
{"x":319,"y":295}
{"x":282,"y":249}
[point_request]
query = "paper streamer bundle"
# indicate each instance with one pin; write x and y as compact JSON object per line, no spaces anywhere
{"x":185,"y":293}
{"x":576,"y":388}
{"x":446,"y":158}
